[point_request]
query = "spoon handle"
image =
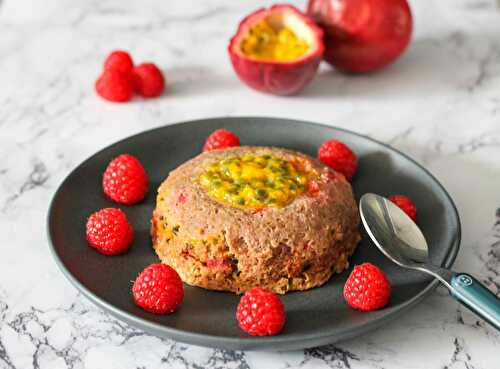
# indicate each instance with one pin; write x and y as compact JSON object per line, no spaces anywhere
{"x":474,"y":295}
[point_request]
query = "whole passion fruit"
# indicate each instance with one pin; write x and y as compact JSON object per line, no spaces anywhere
{"x":362,"y":35}
{"x":277,"y":50}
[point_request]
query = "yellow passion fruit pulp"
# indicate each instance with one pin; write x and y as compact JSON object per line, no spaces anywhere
{"x":254,"y":181}
{"x":263,"y":42}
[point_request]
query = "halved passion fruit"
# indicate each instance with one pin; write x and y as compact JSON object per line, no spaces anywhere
{"x":277,"y":50}
{"x":255,"y":181}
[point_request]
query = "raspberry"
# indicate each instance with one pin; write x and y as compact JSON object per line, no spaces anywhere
{"x":221,"y":139}
{"x":218,"y":264}
{"x":120,"y":61}
{"x":260,"y":312}
{"x":148,"y":80}
{"x":125,"y":180}
{"x":406,"y":204}
{"x":367,"y":288}
{"x":158,"y":289}
{"x":113,"y":85}
{"x":339,"y":157}
{"x":312,"y":188}
{"x":109,"y":232}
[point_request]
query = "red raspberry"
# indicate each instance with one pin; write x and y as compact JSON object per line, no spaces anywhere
{"x":367,"y":288}
{"x":221,"y":139}
{"x":113,"y":85}
{"x":339,"y":157}
{"x":148,"y":80}
{"x":158,"y":289}
{"x":109,"y":231}
{"x":260,"y":312}
{"x":119,"y":60}
{"x":125,"y":180}
{"x":406,"y":204}
{"x":218,"y":264}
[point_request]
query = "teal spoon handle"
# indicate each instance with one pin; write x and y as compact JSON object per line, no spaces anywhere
{"x":474,"y":295}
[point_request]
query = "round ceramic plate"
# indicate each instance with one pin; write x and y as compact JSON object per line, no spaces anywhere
{"x":207,"y":318}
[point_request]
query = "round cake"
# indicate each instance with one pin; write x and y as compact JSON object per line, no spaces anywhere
{"x":248,"y":216}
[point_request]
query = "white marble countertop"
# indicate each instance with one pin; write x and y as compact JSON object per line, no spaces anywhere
{"x":440,"y":104}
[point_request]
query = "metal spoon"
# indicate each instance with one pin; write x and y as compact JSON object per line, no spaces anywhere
{"x":400,"y":239}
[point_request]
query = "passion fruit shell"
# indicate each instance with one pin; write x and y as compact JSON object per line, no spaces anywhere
{"x":362,"y":35}
{"x":280,"y":77}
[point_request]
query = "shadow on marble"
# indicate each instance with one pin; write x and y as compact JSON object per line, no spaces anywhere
{"x":195,"y":80}
{"x":430,"y":67}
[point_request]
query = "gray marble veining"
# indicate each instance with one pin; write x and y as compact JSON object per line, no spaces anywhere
{"x":440,"y":103}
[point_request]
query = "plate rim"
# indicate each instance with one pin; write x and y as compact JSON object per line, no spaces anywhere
{"x":249,"y":343}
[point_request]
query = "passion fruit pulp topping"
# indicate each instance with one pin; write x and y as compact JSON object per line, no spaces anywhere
{"x":255,"y":181}
{"x":264,"y":42}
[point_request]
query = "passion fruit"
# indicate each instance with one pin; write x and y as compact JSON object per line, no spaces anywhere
{"x":277,"y":50}
{"x":362,"y":35}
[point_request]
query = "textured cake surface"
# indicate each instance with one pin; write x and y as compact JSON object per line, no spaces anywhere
{"x":215,"y":245}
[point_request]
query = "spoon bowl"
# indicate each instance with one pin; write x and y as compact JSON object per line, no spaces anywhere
{"x":392,"y":231}
{"x":400,"y":239}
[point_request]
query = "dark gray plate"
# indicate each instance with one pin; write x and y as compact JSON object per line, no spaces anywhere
{"x":206,"y":318}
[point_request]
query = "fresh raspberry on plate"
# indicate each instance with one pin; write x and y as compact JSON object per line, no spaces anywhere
{"x":406,"y":204}
{"x":148,"y":80}
{"x":125,"y":180}
{"x":260,"y":312}
{"x":158,"y":289}
{"x":339,"y":157}
{"x":221,"y":139}
{"x":119,"y":60}
{"x":367,"y":288}
{"x":109,"y":232}
{"x":114,"y":85}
